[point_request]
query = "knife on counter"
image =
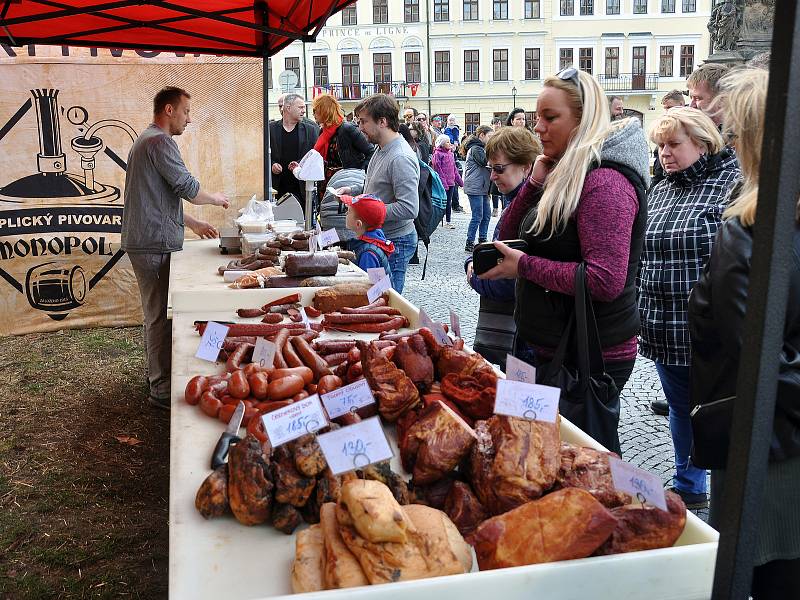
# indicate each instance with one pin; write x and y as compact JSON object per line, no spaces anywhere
{"x":229,"y":437}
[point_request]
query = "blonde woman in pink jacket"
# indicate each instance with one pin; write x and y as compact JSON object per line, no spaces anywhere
{"x":444,"y":163}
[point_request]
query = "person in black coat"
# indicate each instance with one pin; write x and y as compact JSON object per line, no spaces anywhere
{"x":290,"y":138}
{"x":717,"y":308}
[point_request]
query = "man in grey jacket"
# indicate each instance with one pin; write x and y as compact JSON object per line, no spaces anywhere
{"x":392,"y":176}
{"x":153,"y":225}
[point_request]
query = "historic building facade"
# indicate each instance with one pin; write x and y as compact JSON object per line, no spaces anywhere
{"x":479,"y":58}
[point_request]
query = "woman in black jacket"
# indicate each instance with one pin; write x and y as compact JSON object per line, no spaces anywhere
{"x":716,"y":316}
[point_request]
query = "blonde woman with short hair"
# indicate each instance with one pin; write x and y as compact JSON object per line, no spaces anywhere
{"x":684,"y":211}
{"x":585,"y":202}
{"x":716,"y":319}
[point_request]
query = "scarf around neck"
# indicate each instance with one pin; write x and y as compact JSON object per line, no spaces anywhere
{"x":325,"y":137}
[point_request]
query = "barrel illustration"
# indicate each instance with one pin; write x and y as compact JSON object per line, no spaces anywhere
{"x":56,"y":287}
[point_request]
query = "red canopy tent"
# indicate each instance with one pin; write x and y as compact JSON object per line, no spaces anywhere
{"x":221,"y":27}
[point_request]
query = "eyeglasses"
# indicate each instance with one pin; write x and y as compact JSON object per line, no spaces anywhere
{"x":422,"y":118}
{"x":571,"y":74}
{"x":499,"y":169}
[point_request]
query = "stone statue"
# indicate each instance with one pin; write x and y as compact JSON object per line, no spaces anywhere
{"x":724,"y":26}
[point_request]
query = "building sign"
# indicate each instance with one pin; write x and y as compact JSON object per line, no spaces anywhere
{"x":68,"y":118}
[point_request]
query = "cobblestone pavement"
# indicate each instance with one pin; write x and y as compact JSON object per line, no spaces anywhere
{"x":644,"y":436}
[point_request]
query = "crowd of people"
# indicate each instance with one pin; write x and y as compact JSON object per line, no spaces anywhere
{"x":663,"y":260}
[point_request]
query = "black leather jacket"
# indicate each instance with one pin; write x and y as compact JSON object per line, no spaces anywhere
{"x":354,"y":148}
{"x":716,"y":315}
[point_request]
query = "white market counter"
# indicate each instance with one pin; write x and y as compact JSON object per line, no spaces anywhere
{"x":221,"y":558}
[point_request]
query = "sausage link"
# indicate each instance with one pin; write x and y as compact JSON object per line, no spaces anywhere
{"x":195,"y":388}
{"x":311,"y":359}
{"x":290,"y":299}
{"x":312,"y":312}
{"x":285,"y":387}
{"x":374,"y":310}
{"x":249,"y":312}
{"x":394,"y":323}
{"x":335,"y":359}
{"x":291,"y":357}
{"x":333,"y":318}
{"x":272,"y":318}
{"x":238,"y":356}
{"x":333,"y":346}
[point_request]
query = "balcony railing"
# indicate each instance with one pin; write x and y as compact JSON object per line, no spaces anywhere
{"x":626,"y":82}
{"x":357,"y":91}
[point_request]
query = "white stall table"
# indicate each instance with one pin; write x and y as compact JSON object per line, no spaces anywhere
{"x":221,"y":558}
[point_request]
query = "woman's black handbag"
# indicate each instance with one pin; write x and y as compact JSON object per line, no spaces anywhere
{"x":589,"y":396}
{"x":494,"y":334}
{"x":711,"y":426}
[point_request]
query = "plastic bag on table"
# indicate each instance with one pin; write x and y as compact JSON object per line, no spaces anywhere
{"x":256,"y":211}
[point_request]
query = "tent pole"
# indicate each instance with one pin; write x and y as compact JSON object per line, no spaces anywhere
{"x":267,"y":149}
{"x":763,"y":329}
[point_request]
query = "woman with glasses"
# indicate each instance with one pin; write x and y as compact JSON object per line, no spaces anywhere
{"x":510,"y":154}
{"x":684,"y":211}
{"x":585,"y":202}
{"x":716,"y":320}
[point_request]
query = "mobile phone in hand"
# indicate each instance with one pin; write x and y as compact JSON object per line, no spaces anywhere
{"x":485,"y":256}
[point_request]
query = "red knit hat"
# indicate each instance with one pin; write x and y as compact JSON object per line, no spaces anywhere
{"x":369,"y":209}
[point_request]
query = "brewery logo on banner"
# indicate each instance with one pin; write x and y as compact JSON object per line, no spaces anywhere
{"x":59,"y":230}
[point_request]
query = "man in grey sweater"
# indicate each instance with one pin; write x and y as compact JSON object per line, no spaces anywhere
{"x":153,"y":225}
{"x":392,"y":176}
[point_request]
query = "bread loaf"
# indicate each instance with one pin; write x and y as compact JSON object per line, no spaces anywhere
{"x":340,"y":296}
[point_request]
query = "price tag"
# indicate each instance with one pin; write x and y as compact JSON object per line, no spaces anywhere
{"x":455,"y":324}
{"x":519,"y":370}
{"x":377,"y":290}
{"x":289,"y":423}
{"x":640,"y":484}
{"x":527,"y":400}
{"x":425,"y":320}
{"x":355,"y":446}
{"x":328,"y":237}
{"x":312,"y":244}
{"x":264,"y":352}
{"x":348,"y":398}
{"x":375,"y":274}
{"x":231,"y":276}
{"x":211,"y":342}
{"x":304,"y":317}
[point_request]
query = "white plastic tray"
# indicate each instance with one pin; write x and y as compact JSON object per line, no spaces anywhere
{"x":223,"y":559}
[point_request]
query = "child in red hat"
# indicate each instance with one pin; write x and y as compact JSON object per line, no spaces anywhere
{"x":365,"y":218}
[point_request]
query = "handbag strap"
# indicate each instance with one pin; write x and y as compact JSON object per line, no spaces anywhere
{"x":590,"y":354}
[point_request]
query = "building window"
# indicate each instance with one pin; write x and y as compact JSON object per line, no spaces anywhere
{"x":687,"y":60}
{"x":471,"y":65}
{"x":533,"y":9}
{"x":269,"y":73}
{"x":530,"y":118}
{"x":533,"y":63}
{"x":500,"y":65}
{"x":349,"y":16}
{"x":292,"y":63}
{"x":351,"y":77}
{"x":587,"y":7}
{"x":382,"y":70}
{"x":567,"y":8}
{"x":665,"y":56}
{"x":380,"y":11}
{"x":441,"y":64}
{"x":321,"y":71}
{"x":667,"y":6}
{"x":585,"y":59}
{"x":413,"y":70}
{"x":441,"y":10}
{"x":472,"y":121}
{"x":640,"y":7}
{"x":500,"y":10}
{"x":410,"y":11}
{"x":565,"y":58}
{"x":612,"y":7}
{"x":689,"y":5}
{"x":470,"y":10}
{"x":639,"y":60}
{"x":612,"y":62}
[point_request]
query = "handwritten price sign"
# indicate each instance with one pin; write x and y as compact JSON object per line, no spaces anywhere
{"x":527,"y":400}
{"x":211,"y":342}
{"x":264,"y":352}
{"x":518,"y":370}
{"x":356,"y":446}
{"x":348,"y":398}
{"x":376,"y":291}
{"x":290,"y":422}
{"x":640,"y":484}
{"x":328,"y":237}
